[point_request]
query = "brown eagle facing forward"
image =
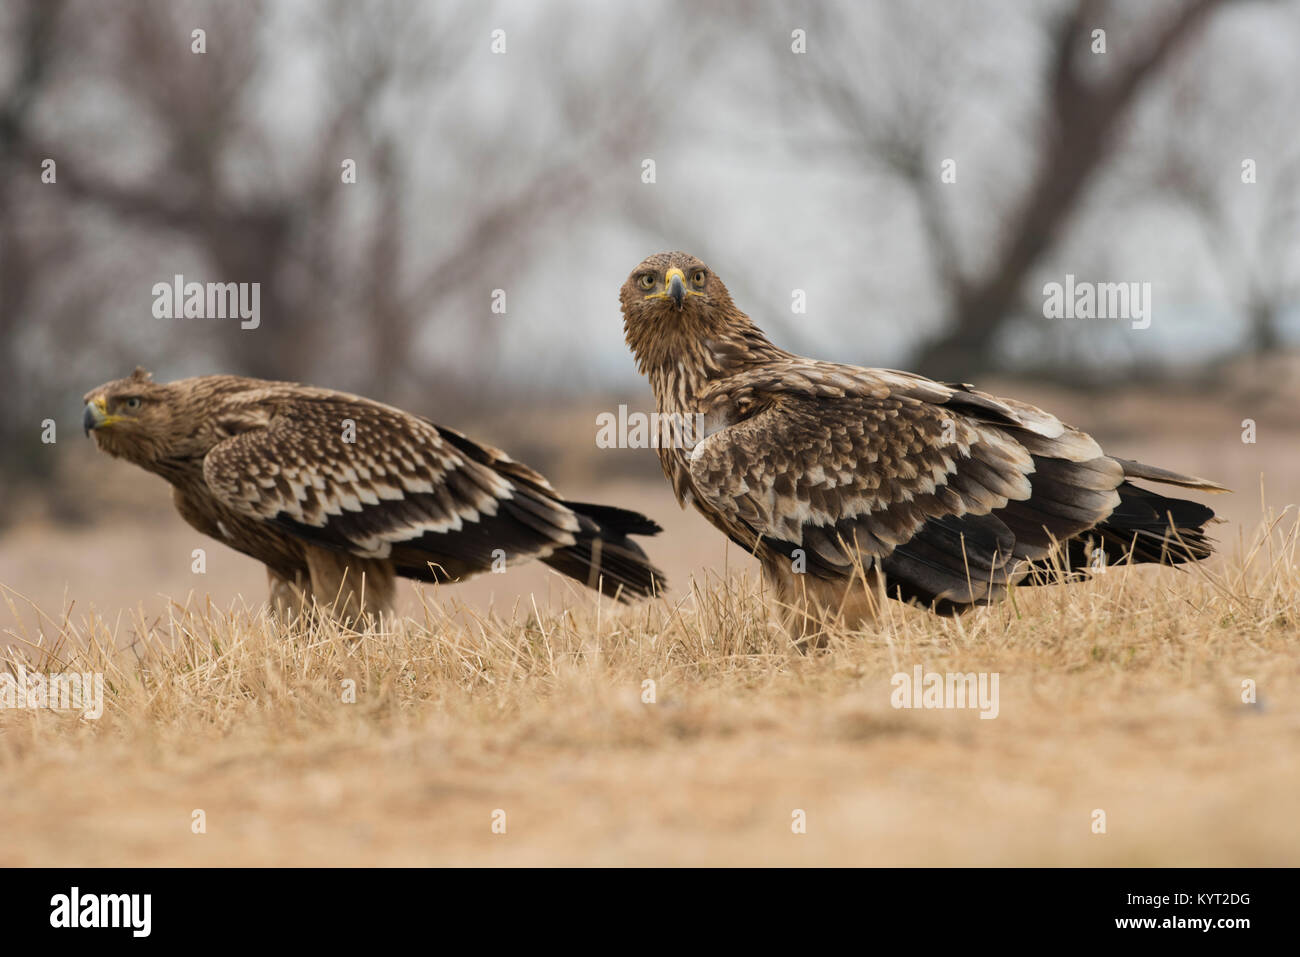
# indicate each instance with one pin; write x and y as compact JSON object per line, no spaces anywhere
{"x":938,"y":493}
{"x":338,"y":495}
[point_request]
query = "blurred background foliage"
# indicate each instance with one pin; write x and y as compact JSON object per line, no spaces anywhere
{"x":522,"y":171}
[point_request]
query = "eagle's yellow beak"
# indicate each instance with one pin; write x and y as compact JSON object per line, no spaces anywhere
{"x":96,"y":415}
{"x":674,"y":287}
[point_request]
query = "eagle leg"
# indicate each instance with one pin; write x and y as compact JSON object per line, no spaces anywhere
{"x":348,"y":587}
{"x":811,"y":606}
{"x":289,"y":596}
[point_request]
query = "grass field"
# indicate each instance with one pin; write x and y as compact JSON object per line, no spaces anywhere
{"x":516,"y":694}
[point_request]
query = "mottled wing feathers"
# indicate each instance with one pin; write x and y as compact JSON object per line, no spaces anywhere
{"x":494,"y":459}
{"x":350,"y":474}
{"x":367,"y":477}
{"x":948,"y":491}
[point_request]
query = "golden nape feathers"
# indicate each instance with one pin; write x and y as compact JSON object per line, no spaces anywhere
{"x":835,"y":475}
{"x":339,"y":495}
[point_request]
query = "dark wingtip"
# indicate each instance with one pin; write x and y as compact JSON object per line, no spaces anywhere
{"x":604,"y":557}
{"x":623,"y":521}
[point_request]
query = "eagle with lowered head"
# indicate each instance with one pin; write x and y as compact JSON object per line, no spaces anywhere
{"x":831,"y":474}
{"x":339,"y":495}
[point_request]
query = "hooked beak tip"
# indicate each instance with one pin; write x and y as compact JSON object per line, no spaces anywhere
{"x":91,"y":418}
{"x":677,"y":291}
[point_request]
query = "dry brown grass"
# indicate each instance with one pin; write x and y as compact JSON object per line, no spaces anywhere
{"x":1123,"y":693}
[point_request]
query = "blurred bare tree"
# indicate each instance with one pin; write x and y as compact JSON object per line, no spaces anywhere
{"x":476,"y":171}
{"x":1232,"y":161}
{"x":187,"y":159}
{"x":895,"y":114}
{"x":329,"y":261}
{"x":33,"y":232}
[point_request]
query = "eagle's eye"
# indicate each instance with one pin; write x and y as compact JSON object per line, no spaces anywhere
{"x":132,"y":403}
{"x":647,"y":280}
{"x":697,"y":279}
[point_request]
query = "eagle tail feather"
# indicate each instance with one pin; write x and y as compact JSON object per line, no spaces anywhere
{"x":604,"y":557}
{"x":1153,"y":473}
{"x":1145,"y":528}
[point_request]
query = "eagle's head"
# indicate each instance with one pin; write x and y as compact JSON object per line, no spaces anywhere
{"x":668,"y":283}
{"x":671,"y":300}
{"x":133,"y":418}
